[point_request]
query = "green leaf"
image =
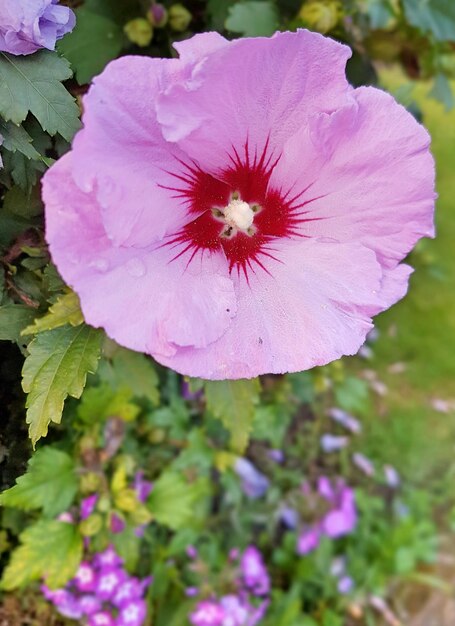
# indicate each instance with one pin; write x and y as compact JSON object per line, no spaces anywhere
{"x":50,"y":483}
{"x":13,"y":318}
{"x":100,"y":403}
{"x":17,"y":138}
{"x":442,"y":91}
{"x":94,"y":42}
{"x":253,"y":18}
{"x":33,"y":84}
{"x":49,"y":549}
{"x":233,"y":402}
{"x":217,"y":13}
{"x":432,"y":16}
{"x":24,"y":171}
{"x":26,"y":205}
{"x":134,"y":371}
{"x":56,"y":367}
{"x":172,"y":500}
{"x":66,"y":310}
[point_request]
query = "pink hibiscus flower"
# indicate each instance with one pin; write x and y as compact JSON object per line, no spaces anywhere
{"x":242,"y":209}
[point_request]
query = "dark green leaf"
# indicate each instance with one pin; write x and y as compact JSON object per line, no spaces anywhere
{"x":50,"y":483}
{"x":442,"y":91}
{"x":15,"y":137}
{"x":13,"y":318}
{"x":33,"y":84}
{"x":94,"y":42}
{"x":134,"y":371}
{"x":25,"y":205}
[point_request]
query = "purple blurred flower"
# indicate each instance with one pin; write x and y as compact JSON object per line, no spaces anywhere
{"x":102,"y":618}
{"x":28,"y":25}
{"x":89,"y":604}
{"x":289,"y":517}
{"x":187,"y":394}
{"x":130,"y":589}
{"x":258,"y":613}
{"x":332,"y":443}
{"x":348,"y":421}
{"x":254,"y":571}
{"x":117,"y":524}
{"x":342,"y":519}
{"x":158,"y":15}
{"x":363,"y":463}
{"x":276,"y":455}
{"x":338,"y":566}
{"x":88,"y":506}
{"x":345,"y":584}
{"x":392,"y":477}
{"x":132,"y":613}
{"x":254,"y":484}
{"x":66,"y":603}
{"x":66,"y":516}
{"x":236,"y":611}
{"x":308,"y":541}
{"x":108,"y":582}
{"x":108,"y":558}
{"x":207,"y":613}
{"x":190,"y":592}
{"x":191,"y":552}
{"x":85,"y":578}
{"x":142,"y":487}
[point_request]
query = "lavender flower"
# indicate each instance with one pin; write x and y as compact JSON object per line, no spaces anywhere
{"x":132,"y":613}
{"x":254,"y":484}
{"x":254,"y":571}
{"x":346,"y":420}
{"x":392,"y":477}
{"x":207,"y":613}
{"x":28,"y":25}
{"x":108,"y":582}
{"x":85,"y":578}
{"x":102,"y":618}
{"x":363,"y":463}
{"x":308,"y":541}
{"x":345,"y":585}
{"x":332,"y":443}
{"x":108,"y":558}
{"x":142,"y":487}
{"x":88,"y":506}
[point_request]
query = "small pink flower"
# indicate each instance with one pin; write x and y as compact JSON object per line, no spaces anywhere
{"x":207,"y":613}
{"x":243,"y":207}
{"x":308,"y":541}
{"x":85,"y":578}
{"x":254,"y":571}
{"x":88,"y":506}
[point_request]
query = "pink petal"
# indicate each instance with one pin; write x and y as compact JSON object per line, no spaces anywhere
{"x":368,"y":175}
{"x":314,"y":308}
{"x":142,"y":299}
{"x":121,"y":155}
{"x":253,"y":89}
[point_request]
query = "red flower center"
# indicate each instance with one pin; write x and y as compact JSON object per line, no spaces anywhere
{"x":245,"y":181}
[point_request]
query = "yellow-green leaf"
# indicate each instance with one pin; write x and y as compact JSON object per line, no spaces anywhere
{"x":49,"y":549}
{"x":66,"y":310}
{"x":233,"y":402}
{"x":57,"y":367}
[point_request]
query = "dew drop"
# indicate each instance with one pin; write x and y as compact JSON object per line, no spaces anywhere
{"x":102,"y":265}
{"x":136,"y":267}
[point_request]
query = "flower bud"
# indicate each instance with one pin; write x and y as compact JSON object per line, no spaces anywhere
{"x":91,"y":526}
{"x":179,"y":18}
{"x":139,"y":31}
{"x":157,"y":16}
{"x":321,"y":15}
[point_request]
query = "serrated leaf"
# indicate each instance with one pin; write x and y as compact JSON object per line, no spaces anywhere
{"x":13,"y":318}
{"x":253,"y":18}
{"x":172,"y":500}
{"x":50,"y":483}
{"x":134,"y":371}
{"x":33,"y":84}
{"x":94,"y":42}
{"x":17,"y":138}
{"x":66,"y":310}
{"x":436,"y":17}
{"x":233,"y":402}
{"x":56,"y":367}
{"x":24,"y":171}
{"x":49,"y":549}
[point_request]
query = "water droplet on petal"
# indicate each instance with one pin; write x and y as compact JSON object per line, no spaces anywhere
{"x":136,"y":267}
{"x":100,"y":264}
